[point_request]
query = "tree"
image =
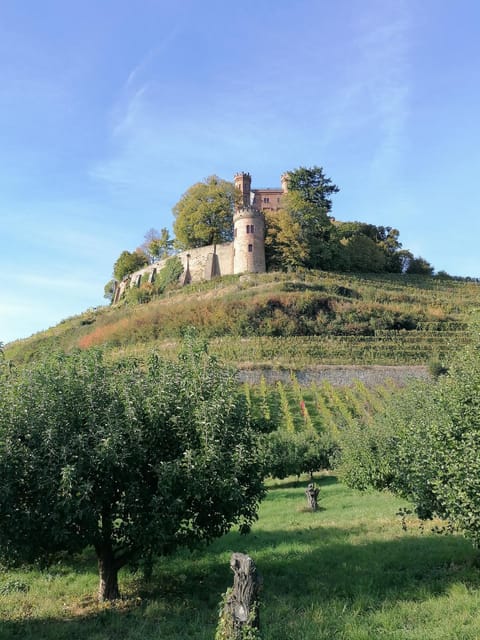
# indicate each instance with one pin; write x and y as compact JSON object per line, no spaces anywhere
{"x":134,"y":459}
{"x":284,"y":246}
{"x":426,"y":446}
{"x":156,"y":244}
{"x":162,"y":246}
{"x":306,"y":206}
{"x":362,"y":254}
{"x":313,"y":186}
{"x":204,"y":214}
{"x":419,"y":266}
{"x":109,"y":290}
{"x":128,"y":262}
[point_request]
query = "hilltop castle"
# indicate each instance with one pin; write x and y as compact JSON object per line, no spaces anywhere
{"x":246,"y":254}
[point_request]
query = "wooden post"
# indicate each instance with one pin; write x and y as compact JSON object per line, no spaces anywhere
{"x":240,"y":612}
{"x":312,"y":496}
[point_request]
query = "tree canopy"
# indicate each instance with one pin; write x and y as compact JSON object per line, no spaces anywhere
{"x":134,"y":459}
{"x":298,"y":235}
{"x":157,"y":244}
{"x":425,"y":446}
{"x":204,"y":214}
{"x":313,"y":187}
{"x":129,"y":262}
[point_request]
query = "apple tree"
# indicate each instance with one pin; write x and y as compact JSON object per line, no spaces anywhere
{"x":133,"y":458}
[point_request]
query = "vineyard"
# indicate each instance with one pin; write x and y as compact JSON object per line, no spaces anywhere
{"x":283,"y":319}
{"x":319,"y":408}
{"x":385,"y":348}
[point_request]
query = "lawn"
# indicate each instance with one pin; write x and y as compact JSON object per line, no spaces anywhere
{"x":349,"y":571}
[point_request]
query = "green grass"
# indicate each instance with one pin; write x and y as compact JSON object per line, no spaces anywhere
{"x":348,"y":572}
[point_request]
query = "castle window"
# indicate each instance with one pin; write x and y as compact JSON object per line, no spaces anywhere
{"x":266,"y":199}
{"x":250,"y":228}
{"x":250,"y":248}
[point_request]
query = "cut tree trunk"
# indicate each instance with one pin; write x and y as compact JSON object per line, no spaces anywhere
{"x":241,"y":604}
{"x":312,"y":496}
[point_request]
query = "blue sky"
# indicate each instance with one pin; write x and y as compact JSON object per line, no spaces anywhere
{"x":110,"y":110}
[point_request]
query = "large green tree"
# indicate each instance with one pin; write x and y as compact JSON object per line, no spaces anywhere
{"x":133,"y":459}
{"x":204,"y":214}
{"x":304,"y":215}
{"x":313,"y":186}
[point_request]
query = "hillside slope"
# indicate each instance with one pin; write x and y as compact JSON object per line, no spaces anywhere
{"x":288,"y":319}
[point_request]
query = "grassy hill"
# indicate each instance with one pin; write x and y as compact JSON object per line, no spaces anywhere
{"x":284,"y":319}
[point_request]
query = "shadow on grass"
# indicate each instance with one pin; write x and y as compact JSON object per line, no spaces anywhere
{"x":331,"y":568}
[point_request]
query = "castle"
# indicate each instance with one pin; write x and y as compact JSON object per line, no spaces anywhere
{"x":245,"y":254}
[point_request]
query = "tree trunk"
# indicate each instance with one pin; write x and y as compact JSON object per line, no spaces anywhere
{"x":108,"y":573}
{"x":240,"y":613}
{"x":312,"y":496}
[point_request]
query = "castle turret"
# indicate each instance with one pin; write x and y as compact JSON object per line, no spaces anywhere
{"x":248,"y":241}
{"x":243,"y":182}
{"x":284,"y":182}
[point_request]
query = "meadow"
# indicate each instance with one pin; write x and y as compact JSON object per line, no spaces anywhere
{"x":349,"y":571}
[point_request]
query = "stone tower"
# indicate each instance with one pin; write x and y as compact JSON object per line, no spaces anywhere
{"x":248,"y":240}
{"x":243,"y":182}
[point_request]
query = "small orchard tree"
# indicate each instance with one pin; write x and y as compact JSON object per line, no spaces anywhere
{"x":134,"y":459}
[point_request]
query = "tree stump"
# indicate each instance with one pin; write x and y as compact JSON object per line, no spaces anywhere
{"x":239,"y":617}
{"x":312,"y":496}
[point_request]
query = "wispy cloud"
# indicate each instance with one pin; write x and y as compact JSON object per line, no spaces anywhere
{"x":375,"y":91}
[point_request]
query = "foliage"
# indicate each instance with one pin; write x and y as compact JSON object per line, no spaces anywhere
{"x":128,"y":262}
{"x":226,"y":629}
{"x":294,"y":453}
{"x":419,"y":266}
{"x":428,"y":439}
{"x":361,"y":254}
{"x":285,"y":248}
{"x":158,"y":245}
{"x":299,"y":234}
{"x":166,"y":279}
{"x":109,"y":290}
{"x":313,"y":187}
{"x":135,"y":459}
{"x":204,"y":214}
{"x":169,"y":275}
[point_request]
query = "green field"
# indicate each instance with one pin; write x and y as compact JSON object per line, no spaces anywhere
{"x":348,"y":571}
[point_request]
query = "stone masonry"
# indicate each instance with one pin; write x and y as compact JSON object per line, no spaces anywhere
{"x":246,"y":254}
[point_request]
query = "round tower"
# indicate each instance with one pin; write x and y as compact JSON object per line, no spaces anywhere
{"x":248,"y":241}
{"x":243,"y":182}
{"x":284,"y":182}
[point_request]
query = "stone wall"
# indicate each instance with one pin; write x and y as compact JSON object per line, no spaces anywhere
{"x":338,"y":375}
{"x":199,"y":264}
